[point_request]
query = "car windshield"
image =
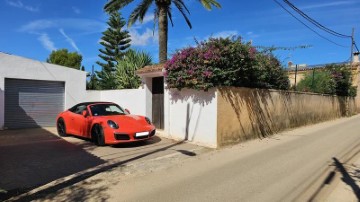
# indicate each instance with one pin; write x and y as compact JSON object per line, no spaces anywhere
{"x":106,"y":110}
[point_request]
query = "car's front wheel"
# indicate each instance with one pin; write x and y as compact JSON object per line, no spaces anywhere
{"x":61,"y":128}
{"x":97,"y":135}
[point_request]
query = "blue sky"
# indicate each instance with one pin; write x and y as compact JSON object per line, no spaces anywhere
{"x":32,"y":28}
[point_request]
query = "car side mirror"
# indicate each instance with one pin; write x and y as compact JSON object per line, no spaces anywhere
{"x":128,"y":111}
{"x":85,"y":113}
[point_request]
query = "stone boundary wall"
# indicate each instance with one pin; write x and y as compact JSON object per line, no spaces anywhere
{"x":244,"y":113}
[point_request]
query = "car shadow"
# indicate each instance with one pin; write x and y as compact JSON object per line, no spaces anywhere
{"x":151,"y":141}
{"x":88,"y":144}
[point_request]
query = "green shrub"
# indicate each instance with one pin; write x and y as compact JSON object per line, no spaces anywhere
{"x":333,"y":79}
{"x":319,"y":81}
{"x":271,"y":75}
{"x":224,"y":62}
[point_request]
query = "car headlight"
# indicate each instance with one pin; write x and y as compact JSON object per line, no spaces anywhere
{"x":148,"y":120}
{"x":112,"y":124}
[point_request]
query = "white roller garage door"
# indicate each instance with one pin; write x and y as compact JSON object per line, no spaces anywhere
{"x":32,"y":103}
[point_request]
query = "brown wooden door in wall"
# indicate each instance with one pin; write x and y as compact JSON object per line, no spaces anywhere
{"x":158,"y":102}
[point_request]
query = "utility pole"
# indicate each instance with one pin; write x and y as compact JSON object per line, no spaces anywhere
{"x":296,"y":69}
{"x":313,"y":78}
{"x":352,"y":46}
{"x":351,"y":67}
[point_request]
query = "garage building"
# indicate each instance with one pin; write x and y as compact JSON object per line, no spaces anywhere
{"x":32,"y":93}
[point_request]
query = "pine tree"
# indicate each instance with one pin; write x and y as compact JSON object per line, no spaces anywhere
{"x":115,"y":41}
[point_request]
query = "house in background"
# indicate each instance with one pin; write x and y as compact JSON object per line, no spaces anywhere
{"x":297,"y":72}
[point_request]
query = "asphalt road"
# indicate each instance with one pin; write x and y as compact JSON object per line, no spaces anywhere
{"x":276,"y":169}
{"x":283,"y":167}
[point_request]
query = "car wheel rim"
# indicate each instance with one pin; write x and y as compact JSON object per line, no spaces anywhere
{"x":61,"y":128}
{"x":99,"y":134}
{"x":97,"y":131}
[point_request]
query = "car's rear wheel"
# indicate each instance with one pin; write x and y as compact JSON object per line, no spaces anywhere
{"x":97,"y":135}
{"x":61,"y":128}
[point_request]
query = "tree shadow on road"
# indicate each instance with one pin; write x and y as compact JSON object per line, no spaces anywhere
{"x":90,"y":190}
{"x":346,"y":178}
{"x":356,"y":173}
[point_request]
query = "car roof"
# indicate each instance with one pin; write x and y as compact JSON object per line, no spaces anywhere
{"x":91,"y":103}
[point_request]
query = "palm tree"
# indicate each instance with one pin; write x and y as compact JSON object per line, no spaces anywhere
{"x":161,"y":14}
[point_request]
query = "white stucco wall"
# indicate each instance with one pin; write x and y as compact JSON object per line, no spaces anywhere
{"x":148,"y":96}
{"x":16,"y":67}
{"x":191,"y":115}
{"x":92,"y":96}
{"x":131,"y":99}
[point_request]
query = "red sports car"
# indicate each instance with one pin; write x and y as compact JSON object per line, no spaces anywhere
{"x":104,"y":123}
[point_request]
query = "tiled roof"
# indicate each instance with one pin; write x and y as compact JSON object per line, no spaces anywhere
{"x":150,"y":68}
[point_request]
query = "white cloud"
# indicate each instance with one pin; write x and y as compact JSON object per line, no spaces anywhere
{"x":331,"y":4}
{"x":148,"y":18}
{"x":19,"y":4}
{"x":76,"y":25}
{"x":70,"y":40}
{"x":85,"y":25}
{"x":46,"y":42}
{"x":223,"y":34}
{"x":143,"y":39}
{"x":252,"y":35}
{"x":32,"y":9}
{"x":76,"y":10}
{"x":38,"y":25}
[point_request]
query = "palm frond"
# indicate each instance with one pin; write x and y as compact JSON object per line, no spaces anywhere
{"x":156,"y":18}
{"x":181,"y":2}
{"x":115,"y":5}
{"x":139,"y":12}
{"x":182,"y":8}
{"x":208,"y":4}
{"x":170,"y":16}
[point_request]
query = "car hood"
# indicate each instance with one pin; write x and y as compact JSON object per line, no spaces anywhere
{"x":130,"y":121}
